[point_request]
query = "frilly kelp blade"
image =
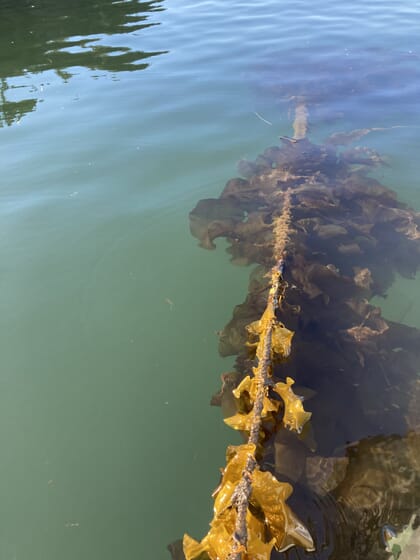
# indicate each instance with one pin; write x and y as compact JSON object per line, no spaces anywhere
{"x":232,"y":474}
{"x":218,"y":542}
{"x":194,"y":550}
{"x":270,"y":495}
{"x":295,"y":416}
{"x":258,"y":546}
{"x":281,"y":340}
{"x":281,"y":337}
{"x":246,"y":385}
{"x":219,"y":539}
{"x":242,"y":422}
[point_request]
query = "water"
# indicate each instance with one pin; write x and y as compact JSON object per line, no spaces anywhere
{"x":117,"y":117}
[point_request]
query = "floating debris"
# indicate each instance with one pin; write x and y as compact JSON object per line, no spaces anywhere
{"x":72,"y":525}
{"x":170,"y":303}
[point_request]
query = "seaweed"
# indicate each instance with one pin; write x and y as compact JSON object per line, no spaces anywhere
{"x":250,"y":511}
{"x":326,"y":237}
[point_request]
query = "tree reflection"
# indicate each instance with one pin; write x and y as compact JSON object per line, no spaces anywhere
{"x":37,"y":36}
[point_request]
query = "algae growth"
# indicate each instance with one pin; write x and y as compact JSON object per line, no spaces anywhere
{"x":326,"y":238}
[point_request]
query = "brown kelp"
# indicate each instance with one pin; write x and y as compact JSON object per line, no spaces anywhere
{"x":250,"y":513}
{"x":326,"y":238}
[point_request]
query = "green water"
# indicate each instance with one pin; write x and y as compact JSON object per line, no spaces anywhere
{"x":116,"y":118}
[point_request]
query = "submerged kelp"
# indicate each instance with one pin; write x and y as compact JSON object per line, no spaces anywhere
{"x":250,"y":511}
{"x":345,"y":237}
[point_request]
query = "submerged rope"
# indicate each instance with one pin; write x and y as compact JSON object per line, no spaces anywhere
{"x":242,"y":495}
{"x":300,"y":124}
{"x":281,"y":230}
{"x":226,"y":541}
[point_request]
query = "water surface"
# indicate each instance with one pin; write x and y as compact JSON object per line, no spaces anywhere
{"x":117,"y":117}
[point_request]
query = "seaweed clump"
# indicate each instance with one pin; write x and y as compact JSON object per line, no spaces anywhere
{"x":250,"y":511}
{"x":326,"y":238}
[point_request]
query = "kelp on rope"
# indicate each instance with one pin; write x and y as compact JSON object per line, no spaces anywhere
{"x":337,"y":238}
{"x":250,"y":512}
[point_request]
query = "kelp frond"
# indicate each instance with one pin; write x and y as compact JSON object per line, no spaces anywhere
{"x":250,"y":511}
{"x":345,"y":238}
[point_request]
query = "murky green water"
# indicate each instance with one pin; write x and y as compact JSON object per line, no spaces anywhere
{"x":117,"y":117}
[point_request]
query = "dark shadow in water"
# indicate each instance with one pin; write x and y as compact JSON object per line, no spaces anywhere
{"x":58,"y":35}
{"x":356,"y":472}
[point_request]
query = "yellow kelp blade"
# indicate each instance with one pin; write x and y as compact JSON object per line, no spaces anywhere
{"x":281,"y":340}
{"x":243,"y":422}
{"x":219,"y":539}
{"x":232,"y":475}
{"x":257,"y":548}
{"x":295,"y":416}
{"x":269,"y":406}
{"x":218,"y":543}
{"x":258,"y":329}
{"x":194,"y":550}
{"x":270,"y":495}
{"x":240,"y":421}
{"x":281,"y":337}
{"x":247,"y":384}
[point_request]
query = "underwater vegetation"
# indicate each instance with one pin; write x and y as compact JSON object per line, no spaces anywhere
{"x":326,"y":237}
{"x":250,"y":511}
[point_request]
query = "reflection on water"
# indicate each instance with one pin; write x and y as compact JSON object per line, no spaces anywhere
{"x":357,"y":471}
{"x":13,"y":111}
{"x":59,"y":35}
